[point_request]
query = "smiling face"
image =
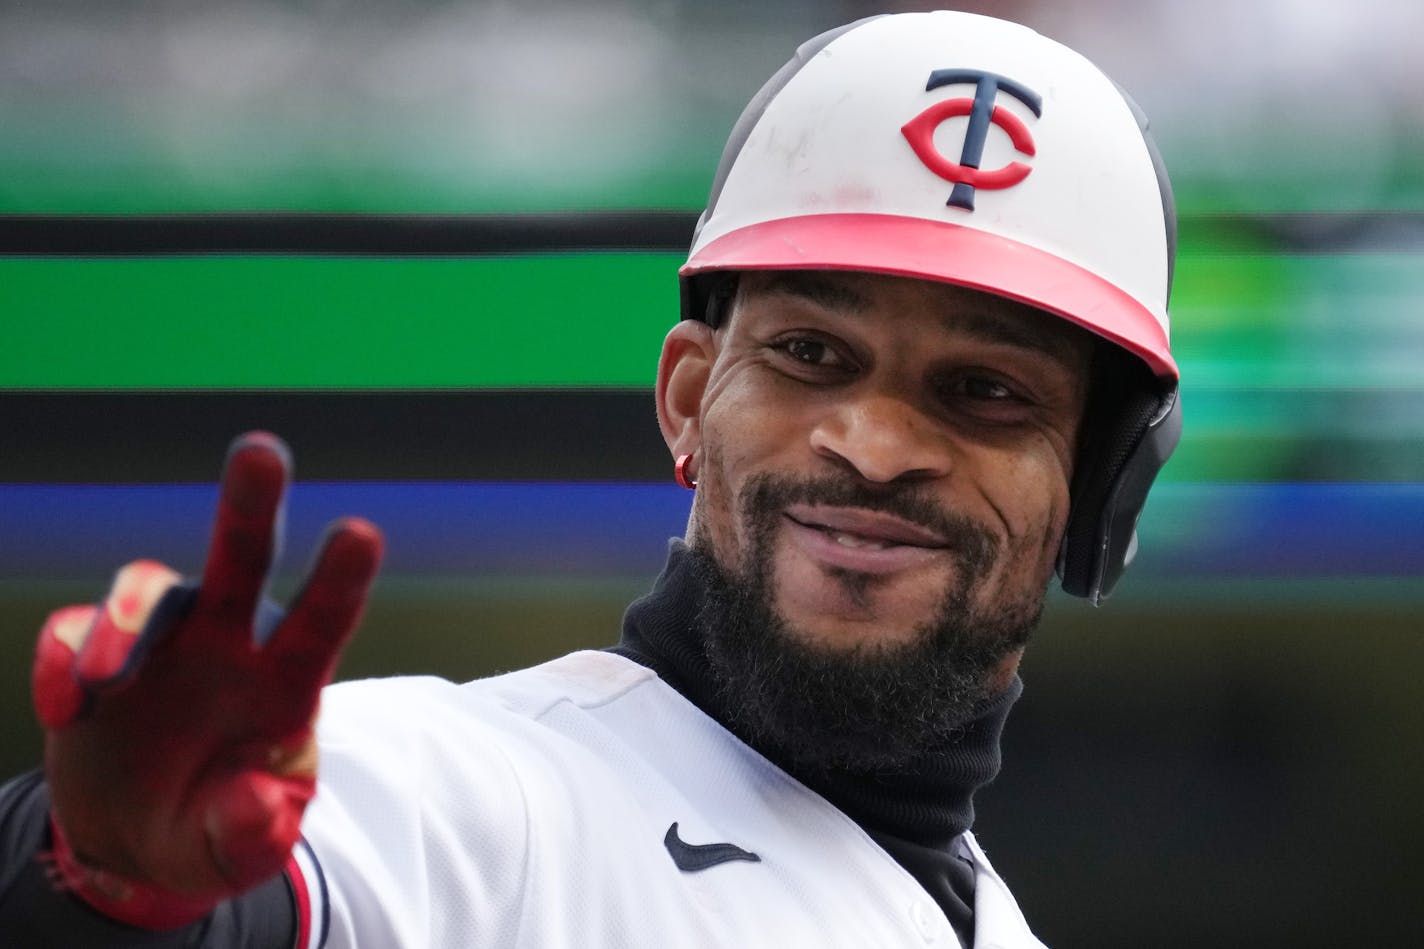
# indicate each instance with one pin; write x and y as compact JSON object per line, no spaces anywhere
{"x":879,"y":457}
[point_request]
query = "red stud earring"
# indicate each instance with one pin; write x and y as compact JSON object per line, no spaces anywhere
{"x":679,"y":472}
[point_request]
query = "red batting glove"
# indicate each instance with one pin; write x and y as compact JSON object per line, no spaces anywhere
{"x":179,"y":749}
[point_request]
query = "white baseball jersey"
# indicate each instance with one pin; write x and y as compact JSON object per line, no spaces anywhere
{"x":537,"y":809}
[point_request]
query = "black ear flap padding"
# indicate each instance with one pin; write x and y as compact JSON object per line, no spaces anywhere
{"x":708,"y":296}
{"x":1131,"y":431}
{"x":1118,"y":524}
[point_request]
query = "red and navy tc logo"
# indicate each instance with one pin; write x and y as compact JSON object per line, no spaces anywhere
{"x":982,"y":111}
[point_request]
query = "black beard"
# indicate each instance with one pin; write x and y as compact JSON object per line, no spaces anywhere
{"x":872,"y":708}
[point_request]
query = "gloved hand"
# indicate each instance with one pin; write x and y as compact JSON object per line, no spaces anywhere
{"x":179,"y":748}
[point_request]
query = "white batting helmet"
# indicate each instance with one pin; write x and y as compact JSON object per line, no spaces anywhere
{"x":960,"y":148}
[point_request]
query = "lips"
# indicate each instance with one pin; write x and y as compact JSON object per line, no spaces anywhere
{"x":855,"y":527}
{"x":861,"y":540}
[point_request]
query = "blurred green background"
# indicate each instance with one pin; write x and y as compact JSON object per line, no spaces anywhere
{"x":1228,"y":752}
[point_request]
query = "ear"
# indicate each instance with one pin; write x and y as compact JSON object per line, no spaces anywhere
{"x":683,"y":370}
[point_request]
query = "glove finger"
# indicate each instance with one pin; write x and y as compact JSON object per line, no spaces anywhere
{"x":246,"y":530}
{"x":303,"y":651}
{"x":58,"y":696}
{"x":137,"y":589}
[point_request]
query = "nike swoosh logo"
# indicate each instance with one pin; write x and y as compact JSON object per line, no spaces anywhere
{"x":693,"y":857}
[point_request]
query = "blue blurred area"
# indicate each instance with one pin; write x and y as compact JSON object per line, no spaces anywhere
{"x":1261,"y":530}
{"x":1274,"y":530}
{"x":440,"y":528}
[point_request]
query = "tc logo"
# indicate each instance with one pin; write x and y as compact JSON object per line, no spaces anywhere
{"x":966,"y":174}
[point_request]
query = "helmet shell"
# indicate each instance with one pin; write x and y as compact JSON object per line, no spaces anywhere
{"x":953,"y":147}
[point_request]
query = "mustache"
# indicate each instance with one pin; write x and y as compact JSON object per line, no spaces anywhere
{"x":767,"y":495}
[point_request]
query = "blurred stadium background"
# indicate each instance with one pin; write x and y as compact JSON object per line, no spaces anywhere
{"x":454,"y":321}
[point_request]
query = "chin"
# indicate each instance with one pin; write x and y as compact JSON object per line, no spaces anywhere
{"x":835,"y":694}
{"x":845,"y":633}
{"x":844,"y":611}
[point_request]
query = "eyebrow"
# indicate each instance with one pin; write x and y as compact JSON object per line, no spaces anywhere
{"x":1026,"y":334}
{"x":825,"y":291}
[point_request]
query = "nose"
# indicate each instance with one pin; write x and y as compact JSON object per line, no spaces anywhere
{"x":883,"y":438}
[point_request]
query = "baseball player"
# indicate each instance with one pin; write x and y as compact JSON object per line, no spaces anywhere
{"x":923,"y":365}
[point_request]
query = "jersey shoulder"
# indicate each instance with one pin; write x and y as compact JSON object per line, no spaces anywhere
{"x":584,"y":678}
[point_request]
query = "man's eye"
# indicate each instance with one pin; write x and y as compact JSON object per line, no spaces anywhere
{"x":984,"y":393}
{"x":811,"y":351}
{"x":987,"y":389}
{"x":807,"y":350}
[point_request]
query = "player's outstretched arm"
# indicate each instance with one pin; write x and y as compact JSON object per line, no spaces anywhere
{"x":179,"y":748}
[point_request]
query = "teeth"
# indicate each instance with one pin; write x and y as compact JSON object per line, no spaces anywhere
{"x":858,"y":542}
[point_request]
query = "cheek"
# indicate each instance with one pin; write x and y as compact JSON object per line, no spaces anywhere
{"x":739,"y":441}
{"x":712,"y":505}
{"x":727,"y":461}
{"x":1030,"y":495}
{"x":1050,"y":538}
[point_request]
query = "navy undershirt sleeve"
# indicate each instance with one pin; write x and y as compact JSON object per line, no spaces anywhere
{"x":36,"y":915}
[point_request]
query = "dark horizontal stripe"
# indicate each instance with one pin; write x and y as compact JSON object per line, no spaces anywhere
{"x":277,"y":232}
{"x":601,"y":434}
{"x":352,"y":234}
{"x":1304,"y":232}
{"x":499,"y":435}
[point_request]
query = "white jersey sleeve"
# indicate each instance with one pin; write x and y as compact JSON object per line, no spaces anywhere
{"x":419,"y":821}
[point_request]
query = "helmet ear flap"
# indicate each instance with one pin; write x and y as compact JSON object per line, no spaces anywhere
{"x":1131,"y":425}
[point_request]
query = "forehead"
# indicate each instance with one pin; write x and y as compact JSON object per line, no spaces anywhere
{"x":955,"y":309}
